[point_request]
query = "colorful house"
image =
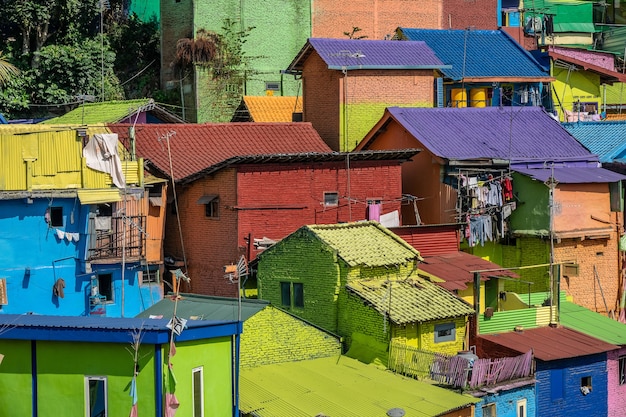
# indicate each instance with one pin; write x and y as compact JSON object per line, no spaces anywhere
{"x":269,"y":47}
{"x":74,"y":237}
{"x":580,"y":78}
{"x":485,"y":68}
{"x":571,"y":367}
{"x":611,"y":331}
{"x":139,"y":111}
{"x":347,"y":84}
{"x":54,"y":365}
{"x":516,"y":150}
{"x":269,"y":109}
{"x":242,"y":186}
{"x":607,"y":139}
{"x":359,"y":280}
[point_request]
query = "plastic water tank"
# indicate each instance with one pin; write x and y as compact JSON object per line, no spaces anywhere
{"x":478,"y":97}
{"x":459,"y":97}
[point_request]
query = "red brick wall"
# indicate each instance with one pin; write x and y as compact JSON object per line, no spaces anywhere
{"x":273,"y":201}
{"x":461,"y":14}
{"x":377,"y":19}
{"x":367,"y":93}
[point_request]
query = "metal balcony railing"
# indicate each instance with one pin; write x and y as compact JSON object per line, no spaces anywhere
{"x":124,"y":238}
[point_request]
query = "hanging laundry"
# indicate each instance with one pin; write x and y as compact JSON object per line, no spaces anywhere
{"x":373,"y":212}
{"x":133,"y":394}
{"x":60,"y":234}
{"x":58,"y":288}
{"x":101,"y":155}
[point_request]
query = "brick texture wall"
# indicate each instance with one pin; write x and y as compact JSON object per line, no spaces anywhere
{"x":273,"y":336}
{"x":616,"y":391}
{"x":478,"y":14}
{"x":367,"y":94}
{"x":598,"y":273}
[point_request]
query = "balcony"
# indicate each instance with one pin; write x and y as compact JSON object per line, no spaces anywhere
{"x":117,"y":237}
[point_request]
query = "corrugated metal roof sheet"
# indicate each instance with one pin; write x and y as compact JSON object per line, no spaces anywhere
{"x":340,"y":387}
{"x":509,"y":133}
{"x":101,"y":112}
{"x":368,"y":54}
{"x":459,"y":267}
{"x":478,"y":53}
{"x":592,"y":323}
{"x":204,"y":308}
{"x":365,"y":243}
{"x":571,"y":175}
{"x":97,"y":196}
{"x":551,"y":343}
{"x":272,"y":108}
{"x":605,"y":139}
{"x":410,"y":300}
{"x":195,"y":147}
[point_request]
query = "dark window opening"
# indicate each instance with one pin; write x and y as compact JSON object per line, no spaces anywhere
{"x":298,"y":295}
{"x":105,"y":286}
{"x":56,"y":216}
{"x":285,"y":294}
{"x":331,"y":199}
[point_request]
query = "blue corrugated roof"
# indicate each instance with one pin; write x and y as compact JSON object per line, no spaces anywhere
{"x":369,"y":54}
{"x":605,"y":139}
{"x":571,"y":175}
{"x":477,"y":53}
{"x":509,"y":133}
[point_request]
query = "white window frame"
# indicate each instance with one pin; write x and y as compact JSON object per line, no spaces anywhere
{"x":193,"y":390}
{"x":524,"y":411}
{"x":106,"y":394}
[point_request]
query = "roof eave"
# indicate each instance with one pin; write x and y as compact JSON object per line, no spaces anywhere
{"x":388,"y":67}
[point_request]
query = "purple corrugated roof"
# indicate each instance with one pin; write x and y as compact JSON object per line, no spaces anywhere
{"x":551,"y":343}
{"x":509,"y":133}
{"x":572,"y":175}
{"x":369,"y":54}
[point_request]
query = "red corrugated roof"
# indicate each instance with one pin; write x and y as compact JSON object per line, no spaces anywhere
{"x":551,"y":343}
{"x":195,"y":147}
{"x":457,"y":269}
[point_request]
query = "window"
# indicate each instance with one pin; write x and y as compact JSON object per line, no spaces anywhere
{"x":211,"y":205}
{"x":148,"y":276}
{"x":585,"y":385}
{"x":272,"y":85}
{"x":96,"y":396}
{"x":198,"y":392}
{"x":331,"y":198}
{"x":292,"y":291}
{"x":105,"y":287}
{"x":489,"y":410}
{"x":521,"y":408}
{"x":622,"y":370}
{"x":56,"y":216}
{"x":445,"y":332}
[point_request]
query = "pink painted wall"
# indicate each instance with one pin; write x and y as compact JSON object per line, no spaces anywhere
{"x":616,"y":392}
{"x":606,"y":61}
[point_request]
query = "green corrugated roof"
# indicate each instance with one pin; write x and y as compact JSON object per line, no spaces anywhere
{"x":340,"y":387}
{"x":365,"y":243}
{"x":202,"y":307}
{"x":410,"y":300}
{"x":593,"y":324}
{"x":103,"y":112}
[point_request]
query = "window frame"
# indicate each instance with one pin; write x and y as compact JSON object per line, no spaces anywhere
{"x":331,"y":203}
{"x":521,"y":405}
{"x":490,"y":408}
{"x":212,"y":209}
{"x":194,"y":371}
{"x":285,"y":297}
{"x":292,"y":294}
{"x":108,"y":297}
{"x":621,"y":370}
{"x":449,"y":327}
{"x":87,"y":380}
{"x":585,"y":381}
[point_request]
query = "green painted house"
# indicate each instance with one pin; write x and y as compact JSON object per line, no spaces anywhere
{"x":360,"y":280}
{"x":104,"y":367}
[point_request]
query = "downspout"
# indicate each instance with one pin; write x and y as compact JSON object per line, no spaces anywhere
{"x":477,"y":298}
{"x":158,"y":371}
{"x":33,"y":370}
{"x":236,"y":373}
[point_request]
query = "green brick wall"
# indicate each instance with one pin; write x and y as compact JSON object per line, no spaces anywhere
{"x":356,"y":317}
{"x":427,"y":337}
{"x":273,"y":336}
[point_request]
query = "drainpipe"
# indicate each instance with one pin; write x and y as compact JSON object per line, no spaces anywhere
{"x":158,"y":372}
{"x":33,"y":365}
{"x":477,"y":298}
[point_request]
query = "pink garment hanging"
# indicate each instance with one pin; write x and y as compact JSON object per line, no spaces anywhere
{"x":171,"y":404}
{"x":373,"y":212}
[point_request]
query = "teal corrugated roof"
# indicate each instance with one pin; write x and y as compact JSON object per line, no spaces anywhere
{"x":410,"y":300}
{"x":200,"y":307}
{"x":593,"y":324}
{"x":365,"y":243}
{"x":605,"y":139}
{"x":340,"y":387}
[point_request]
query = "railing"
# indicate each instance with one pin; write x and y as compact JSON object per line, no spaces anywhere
{"x":457,"y":371}
{"x":125,"y":237}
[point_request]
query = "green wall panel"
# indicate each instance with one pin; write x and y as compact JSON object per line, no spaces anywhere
{"x":15,"y":379}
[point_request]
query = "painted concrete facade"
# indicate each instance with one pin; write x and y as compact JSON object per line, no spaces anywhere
{"x":270,"y":201}
{"x":515,"y":402}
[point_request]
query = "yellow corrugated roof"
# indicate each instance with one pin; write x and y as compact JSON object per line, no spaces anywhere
{"x":272,"y":108}
{"x":410,"y":300}
{"x":340,"y":386}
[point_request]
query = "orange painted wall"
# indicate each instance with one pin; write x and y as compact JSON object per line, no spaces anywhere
{"x":577,"y":203}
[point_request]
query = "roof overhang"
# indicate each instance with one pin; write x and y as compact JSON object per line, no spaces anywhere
{"x":606,"y":76}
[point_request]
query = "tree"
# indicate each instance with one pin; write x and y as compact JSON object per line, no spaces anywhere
{"x":7,"y":70}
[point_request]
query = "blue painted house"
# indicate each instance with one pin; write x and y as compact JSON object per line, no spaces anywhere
{"x":488,"y":68}
{"x":571,"y":368}
{"x":607,"y":139}
{"x":516,"y":399}
{"x":74,"y":241}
